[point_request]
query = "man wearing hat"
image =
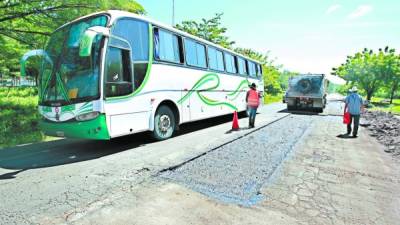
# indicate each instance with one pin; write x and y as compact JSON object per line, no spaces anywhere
{"x":353,"y":105}
{"x":253,"y":101}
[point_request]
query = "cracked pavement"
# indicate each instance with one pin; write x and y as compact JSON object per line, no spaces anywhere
{"x":331,"y":181}
{"x":325,"y":180}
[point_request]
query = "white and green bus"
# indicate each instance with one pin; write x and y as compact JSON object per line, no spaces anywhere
{"x":115,"y":73}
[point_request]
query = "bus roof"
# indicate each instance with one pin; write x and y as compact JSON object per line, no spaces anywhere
{"x":116,"y":14}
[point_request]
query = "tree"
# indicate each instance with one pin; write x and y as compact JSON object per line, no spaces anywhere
{"x":284,"y":78}
{"x":28,"y":21}
{"x":11,"y":51}
{"x":370,"y":71}
{"x":262,"y":58}
{"x":209,"y":29}
{"x":395,"y":80}
{"x":390,"y":65}
{"x":271,"y":73}
{"x":26,"y":24}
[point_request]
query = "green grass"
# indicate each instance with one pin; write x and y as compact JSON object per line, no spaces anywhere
{"x":268,"y":99}
{"x":382,"y":104}
{"x":19,"y":117}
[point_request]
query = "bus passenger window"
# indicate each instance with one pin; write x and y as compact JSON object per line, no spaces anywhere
{"x":242,"y":66}
{"x":215,"y":59}
{"x":252,"y":69}
{"x":195,"y":54}
{"x":118,"y":80}
{"x":167,"y":46}
{"x":230,"y":63}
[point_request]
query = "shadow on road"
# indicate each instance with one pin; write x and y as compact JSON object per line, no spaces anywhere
{"x":10,"y":175}
{"x":345,"y":136}
{"x":67,"y":151}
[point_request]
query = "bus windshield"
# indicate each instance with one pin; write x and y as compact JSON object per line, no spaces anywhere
{"x":66,"y":77}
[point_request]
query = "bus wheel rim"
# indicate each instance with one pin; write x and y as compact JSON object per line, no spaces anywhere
{"x":164,"y":123}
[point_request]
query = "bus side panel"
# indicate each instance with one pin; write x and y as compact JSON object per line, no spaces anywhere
{"x":176,"y":83}
{"x":234,"y":88}
{"x":128,"y":115}
{"x":129,"y":123}
{"x":204,"y":94}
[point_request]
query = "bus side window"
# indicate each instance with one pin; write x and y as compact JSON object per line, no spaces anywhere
{"x":118,"y":73}
{"x":251,"y":69}
{"x":215,"y":59}
{"x":167,"y":46}
{"x":242,"y":66}
{"x":260,"y":70}
{"x":230,"y":63}
{"x":195,"y":54}
{"x":136,"y":32}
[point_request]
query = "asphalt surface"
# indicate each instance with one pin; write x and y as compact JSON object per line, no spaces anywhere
{"x":235,"y":173}
{"x":323,"y":178}
{"x":60,"y":181}
{"x":48,"y":183}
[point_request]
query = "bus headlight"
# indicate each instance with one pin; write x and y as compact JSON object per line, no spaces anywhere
{"x":87,"y":116}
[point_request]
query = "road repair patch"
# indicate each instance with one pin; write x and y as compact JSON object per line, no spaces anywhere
{"x":235,"y":173}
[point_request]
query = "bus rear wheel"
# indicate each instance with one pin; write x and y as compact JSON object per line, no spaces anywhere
{"x":164,"y":123}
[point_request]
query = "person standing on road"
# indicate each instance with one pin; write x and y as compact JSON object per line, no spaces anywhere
{"x":353,"y":105}
{"x":253,"y":101}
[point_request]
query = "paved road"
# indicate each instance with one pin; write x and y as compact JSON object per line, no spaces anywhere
{"x":57,"y":179}
{"x":316,"y":178}
{"x":323,"y":179}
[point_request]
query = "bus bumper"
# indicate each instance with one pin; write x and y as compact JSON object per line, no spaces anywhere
{"x":95,"y":129}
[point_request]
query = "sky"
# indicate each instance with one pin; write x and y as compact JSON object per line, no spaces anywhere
{"x":302,"y":35}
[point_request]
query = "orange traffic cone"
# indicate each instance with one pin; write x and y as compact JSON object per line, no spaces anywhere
{"x":235,"y":122}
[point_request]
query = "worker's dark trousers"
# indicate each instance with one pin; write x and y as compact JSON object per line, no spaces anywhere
{"x":356,"y":120}
{"x":252,"y":116}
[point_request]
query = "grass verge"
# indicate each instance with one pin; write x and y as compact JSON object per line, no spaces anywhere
{"x":382,"y":104}
{"x":268,"y":99}
{"x":19,"y":117}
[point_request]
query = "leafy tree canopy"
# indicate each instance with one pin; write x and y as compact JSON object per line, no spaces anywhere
{"x":28,"y":21}
{"x":26,"y":24}
{"x":212,"y":30}
{"x":208,"y":29}
{"x":372,"y":71}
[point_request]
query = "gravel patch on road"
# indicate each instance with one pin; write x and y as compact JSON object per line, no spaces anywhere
{"x":235,"y":173}
{"x":385,"y":127}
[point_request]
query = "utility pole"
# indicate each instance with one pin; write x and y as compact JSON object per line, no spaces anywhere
{"x":173,"y":12}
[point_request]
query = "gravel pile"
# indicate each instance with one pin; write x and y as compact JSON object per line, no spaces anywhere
{"x":235,"y":173}
{"x":385,"y":127}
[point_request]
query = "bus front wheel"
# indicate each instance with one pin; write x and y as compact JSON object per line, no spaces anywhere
{"x":164,"y":123}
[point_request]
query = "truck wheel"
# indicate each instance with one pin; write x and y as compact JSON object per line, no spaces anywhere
{"x":164,"y":123}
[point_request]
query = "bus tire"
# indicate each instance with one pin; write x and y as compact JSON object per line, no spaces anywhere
{"x":164,"y":123}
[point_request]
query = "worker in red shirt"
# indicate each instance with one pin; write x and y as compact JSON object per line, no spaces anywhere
{"x":253,"y":101}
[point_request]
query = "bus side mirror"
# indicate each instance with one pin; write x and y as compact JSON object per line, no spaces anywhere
{"x":26,"y":56}
{"x":85,"y":45}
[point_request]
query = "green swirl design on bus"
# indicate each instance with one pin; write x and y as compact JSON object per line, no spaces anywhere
{"x":210,"y":82}
{"x":235,"y":94}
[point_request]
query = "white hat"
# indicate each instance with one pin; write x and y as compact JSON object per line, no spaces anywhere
{"x":353,"y":89}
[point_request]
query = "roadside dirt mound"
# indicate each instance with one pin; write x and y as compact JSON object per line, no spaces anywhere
{"x":386,"y":128}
